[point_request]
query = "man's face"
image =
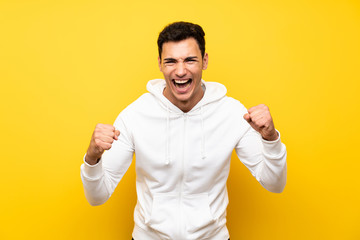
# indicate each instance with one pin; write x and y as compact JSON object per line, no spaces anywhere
{"x":182,"y":64}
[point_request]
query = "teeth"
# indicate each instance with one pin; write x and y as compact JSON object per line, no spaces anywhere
{"x":178,"y":81}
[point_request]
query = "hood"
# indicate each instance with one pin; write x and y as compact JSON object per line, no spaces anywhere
{"x":213,"y":92}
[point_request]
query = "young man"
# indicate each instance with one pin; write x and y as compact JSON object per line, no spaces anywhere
{"x":183,"y":133}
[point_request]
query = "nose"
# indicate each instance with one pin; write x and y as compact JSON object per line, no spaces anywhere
{"x":180,"y":70}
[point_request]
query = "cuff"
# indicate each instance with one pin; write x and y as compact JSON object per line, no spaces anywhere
{"x":273,"y":148}
{"x":92,"y":171}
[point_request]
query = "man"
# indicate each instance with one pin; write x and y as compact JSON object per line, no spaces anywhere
{"x":183,"y":133}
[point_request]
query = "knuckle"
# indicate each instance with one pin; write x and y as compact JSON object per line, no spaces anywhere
{"x":96,"y":135}
{"x":110,"y":135}
{"x":97,"y":131}
{"x":109,"y":126}
{"x":97,"y":141}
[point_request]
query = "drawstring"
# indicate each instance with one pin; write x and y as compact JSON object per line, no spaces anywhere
{"x":203,"y":156}
{"x":167,"y":154}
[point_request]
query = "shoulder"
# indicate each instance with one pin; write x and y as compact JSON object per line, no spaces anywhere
{"x":141,"y":109}
{"x":234,"y":104}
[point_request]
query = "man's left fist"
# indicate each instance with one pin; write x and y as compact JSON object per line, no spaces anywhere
{"x":260,"y":119}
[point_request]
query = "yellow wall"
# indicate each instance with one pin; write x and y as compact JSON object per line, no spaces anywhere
{"x":67,"y":65}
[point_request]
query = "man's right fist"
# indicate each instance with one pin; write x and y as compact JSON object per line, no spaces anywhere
{"x":101,"y":140}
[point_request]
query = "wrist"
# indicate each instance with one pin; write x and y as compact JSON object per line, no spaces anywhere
{"x":272,"y":137}
{"x":91,"y":160}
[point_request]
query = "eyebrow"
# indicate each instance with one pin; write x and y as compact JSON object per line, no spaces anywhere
{"x":186,"y":59}
{"x":169,"y":59}
{"x":191,"y":58}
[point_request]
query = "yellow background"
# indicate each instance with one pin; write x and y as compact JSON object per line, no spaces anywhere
{"x":67,"y":65}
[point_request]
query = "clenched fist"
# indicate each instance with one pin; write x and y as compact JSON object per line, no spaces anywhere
{"x":260,"y":119}
{"x":101,"y":140}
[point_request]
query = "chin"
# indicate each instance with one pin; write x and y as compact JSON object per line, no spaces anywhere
{"x":183,"y":98}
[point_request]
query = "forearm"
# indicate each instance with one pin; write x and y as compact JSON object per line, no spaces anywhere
{"x":94,"y":183}
{"x":266,"y":160}
{"x":273,"y":170}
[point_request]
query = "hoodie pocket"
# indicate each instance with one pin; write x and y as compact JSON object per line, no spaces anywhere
{"x":198,"y":216}
{"x":190,"y":216}
{"x":164,"y":215}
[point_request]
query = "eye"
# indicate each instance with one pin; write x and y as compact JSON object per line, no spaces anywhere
{"x":169,"y":62}
{"x":190,"y":60}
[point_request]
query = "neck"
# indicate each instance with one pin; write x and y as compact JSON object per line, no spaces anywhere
{"x":184,"y":106}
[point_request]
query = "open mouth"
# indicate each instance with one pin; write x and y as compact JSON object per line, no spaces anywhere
{"x":182,"y":83}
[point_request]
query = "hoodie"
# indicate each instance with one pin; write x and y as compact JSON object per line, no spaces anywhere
{"x":183,"y":162}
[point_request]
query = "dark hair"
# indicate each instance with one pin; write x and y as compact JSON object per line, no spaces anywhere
{"x":179,"y":31}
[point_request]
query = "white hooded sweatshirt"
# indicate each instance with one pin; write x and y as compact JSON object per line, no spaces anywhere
{"x":183,"y":162}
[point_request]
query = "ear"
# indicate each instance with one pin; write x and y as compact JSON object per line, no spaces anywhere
{"x":159,"y":62}
{"x":205,"y":61}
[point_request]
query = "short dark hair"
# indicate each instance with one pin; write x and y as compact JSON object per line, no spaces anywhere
{"x":179,"y":31}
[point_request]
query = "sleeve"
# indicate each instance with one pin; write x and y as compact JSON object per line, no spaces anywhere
{"x":266,"y":160}
{"x":101,"y":179}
